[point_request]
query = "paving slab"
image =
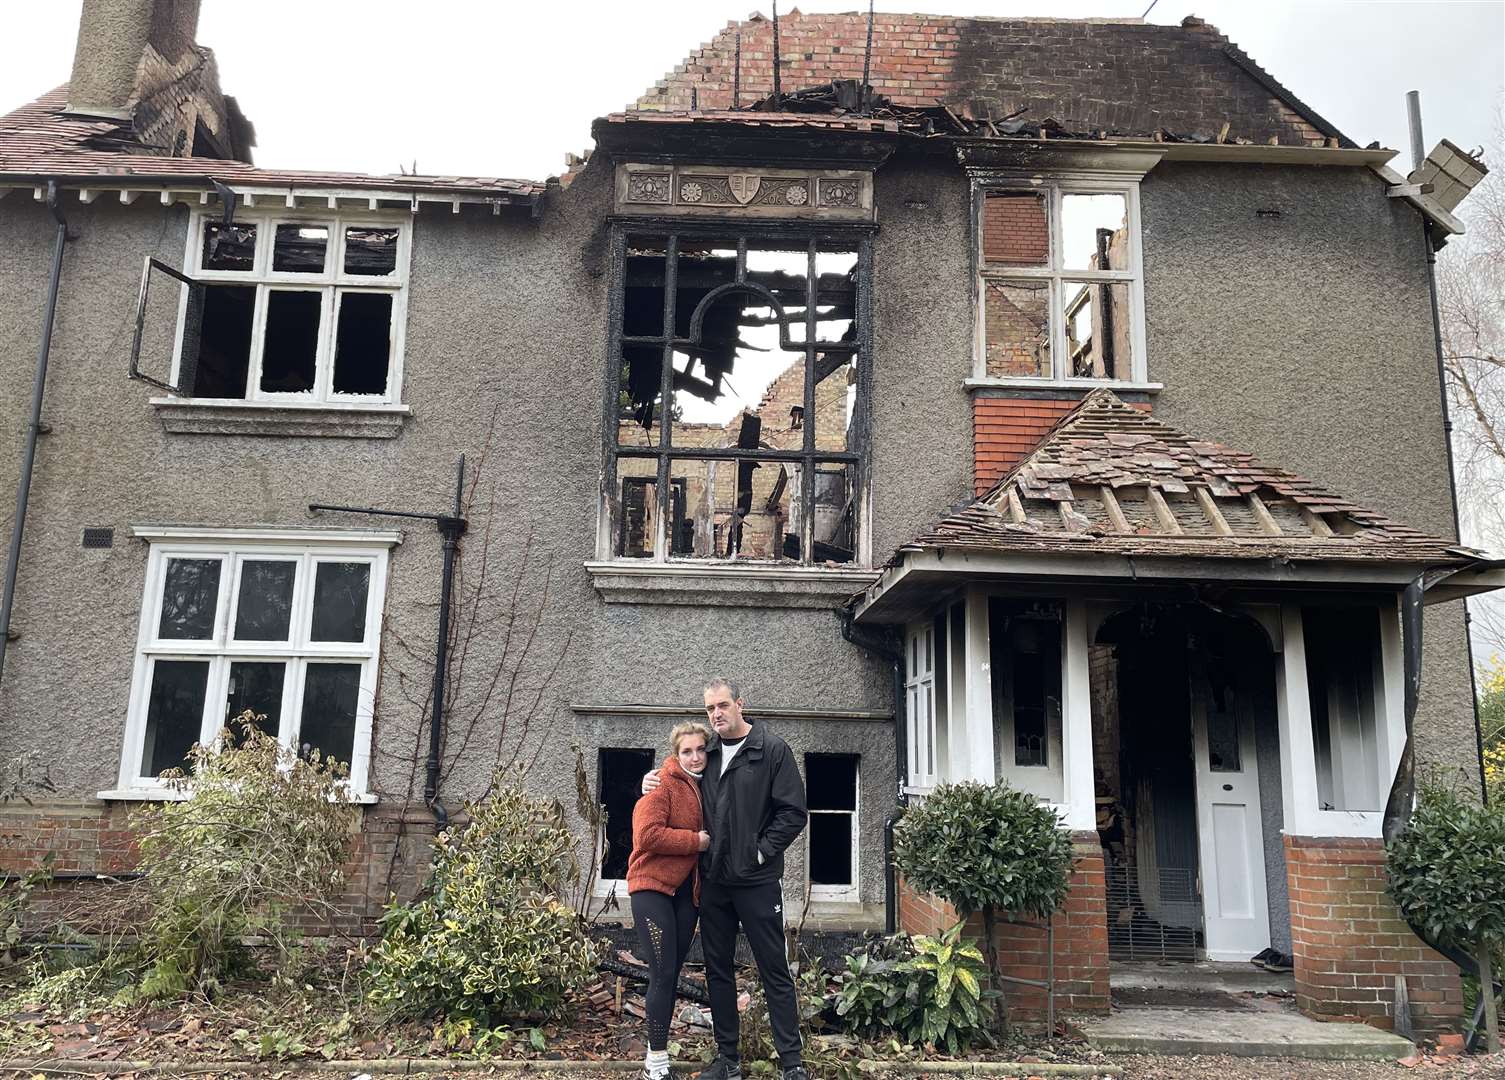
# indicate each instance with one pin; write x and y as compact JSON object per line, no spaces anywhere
{"x":1240,"y":1032}
{"x":1203,"y":975}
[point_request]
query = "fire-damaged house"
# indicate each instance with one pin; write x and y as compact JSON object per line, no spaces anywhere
{"x":1053,"y":400}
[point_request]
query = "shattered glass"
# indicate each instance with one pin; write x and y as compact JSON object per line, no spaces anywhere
{"x":300,"y":249}
{"x":229,"y":247}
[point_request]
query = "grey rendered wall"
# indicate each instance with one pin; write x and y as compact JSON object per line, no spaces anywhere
{"x":922,"y":418}
{"x":1306,"y":339}
{"x":503,"y":362}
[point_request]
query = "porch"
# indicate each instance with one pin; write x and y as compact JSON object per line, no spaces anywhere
{"x":1197,"y":661}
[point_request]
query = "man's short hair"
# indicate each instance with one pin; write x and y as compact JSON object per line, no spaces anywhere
{"x":718,"y":683}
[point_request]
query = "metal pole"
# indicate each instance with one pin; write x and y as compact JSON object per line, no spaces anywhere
{"x":867,"y":62}
{"x":34,"y":427}
{"x":1413,"y":119}
{"x":1418,"y":155}
{"x":776,"y":55}
{"x":451,"y":529}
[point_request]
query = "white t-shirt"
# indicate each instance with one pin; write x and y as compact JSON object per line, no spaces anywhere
{"x":729,"y":751}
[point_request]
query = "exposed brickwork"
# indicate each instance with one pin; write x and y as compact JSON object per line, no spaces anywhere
{"x":1013,"y":229}
{"x":389,"y":853}
{"x":1017,"y":329}
{"x":1123,"y":77}
{"x":1349,"y":941}
{"x":1006,"y":429}
{"x":1081,"y":940}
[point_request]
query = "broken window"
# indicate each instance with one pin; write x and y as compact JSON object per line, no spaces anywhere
{"x":1344,"y":669}
{"x":831,"y":797}
{"x":618,"y":784}
{"x":281,"y":631}
{"x":1060,"y":288}
{"x":1024,"y":645}
{"x":293,"y":310}
{"x":738,"y":397}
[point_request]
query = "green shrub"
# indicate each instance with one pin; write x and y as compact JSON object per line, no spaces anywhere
{"x":264,"y":833}
{"x":920,"y":990}
{"x":987,"y":848}
{"x":490,"y":940}
{"x":1447,"y":870}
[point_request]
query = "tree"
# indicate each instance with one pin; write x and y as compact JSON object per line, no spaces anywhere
{"x":1447,"y":875}
{"x":987,"y":848}
{"x":1471,"y":305}
{"x":1492,"y":726}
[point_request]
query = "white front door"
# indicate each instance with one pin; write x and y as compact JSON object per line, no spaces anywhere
{"x":1229,"y":834}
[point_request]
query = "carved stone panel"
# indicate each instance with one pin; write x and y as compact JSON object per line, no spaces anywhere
{"x":780,"y":193}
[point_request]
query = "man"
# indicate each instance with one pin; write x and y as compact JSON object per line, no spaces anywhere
{"x":754,"y":808}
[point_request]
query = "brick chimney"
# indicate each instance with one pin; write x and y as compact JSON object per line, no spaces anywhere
{"x":127,"y":49}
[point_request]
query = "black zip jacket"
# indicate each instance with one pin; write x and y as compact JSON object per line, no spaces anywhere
{"x":758,"y":806}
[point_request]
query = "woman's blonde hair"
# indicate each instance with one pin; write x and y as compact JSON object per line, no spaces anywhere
{"x":692,"y":728}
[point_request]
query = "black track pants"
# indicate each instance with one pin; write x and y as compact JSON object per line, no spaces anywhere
{"x":666,"y":926}
{"x":759,"y":910}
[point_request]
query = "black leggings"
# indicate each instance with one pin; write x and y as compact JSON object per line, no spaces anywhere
{"x":666,"y":926}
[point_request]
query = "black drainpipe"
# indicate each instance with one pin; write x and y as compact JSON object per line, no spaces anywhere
{"x":885,"y":647}
{"x":1401,"y":801}
{"x":451,"y":527}
{"x":34,"y":426}
{"x":1447,"y":435}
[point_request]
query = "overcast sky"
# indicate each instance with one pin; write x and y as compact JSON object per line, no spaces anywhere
{"x":506,"y":89}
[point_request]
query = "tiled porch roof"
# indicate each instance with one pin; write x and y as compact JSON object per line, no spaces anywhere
{"x":1112,"y":480}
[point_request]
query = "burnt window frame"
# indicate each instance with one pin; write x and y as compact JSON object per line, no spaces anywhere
{"x":331,"y":284}
{"x":671,"y":230}
{"x":1057,"y":275}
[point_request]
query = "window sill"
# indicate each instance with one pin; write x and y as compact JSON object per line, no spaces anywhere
{"x":727,"y":585}
{"x":163,"y":794}
{"x":205,"y":416}
{"x":1081,"y":385}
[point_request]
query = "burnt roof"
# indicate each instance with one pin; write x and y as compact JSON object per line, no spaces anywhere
{"x":40,"y":140}
{"x":1125,"y":78}
{"x":1110,"y":479}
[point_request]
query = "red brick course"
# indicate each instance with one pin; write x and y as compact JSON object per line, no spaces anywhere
{"x":389,"y":852}
{"x":1013,"y":229}
{"x":1349,"y":941}
{"x":1081,"y":940}
{"x":1006,"y":429}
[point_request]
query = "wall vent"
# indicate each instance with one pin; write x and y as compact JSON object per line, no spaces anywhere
{"x":99,"y":538}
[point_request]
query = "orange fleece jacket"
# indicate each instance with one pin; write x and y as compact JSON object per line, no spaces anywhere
{"x":666,"y":826}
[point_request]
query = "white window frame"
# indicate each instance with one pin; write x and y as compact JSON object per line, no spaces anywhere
{"x":848,"y":893}
{"x":331,"y":284}
{"x":1058,"y":276}
{"x":232,"y":548}
{"x":1301,"y":802}
{"x":922,"y":768}
{"x":1046,"y":782}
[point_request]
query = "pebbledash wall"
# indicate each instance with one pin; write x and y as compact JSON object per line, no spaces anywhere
{"x":1267,"y":339}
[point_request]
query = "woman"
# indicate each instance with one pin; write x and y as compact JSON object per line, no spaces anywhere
{"x":663,"y":880}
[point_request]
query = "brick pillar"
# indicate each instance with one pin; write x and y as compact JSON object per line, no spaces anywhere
{"x":1349,"y":941}
{"x":1081,"y":946}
